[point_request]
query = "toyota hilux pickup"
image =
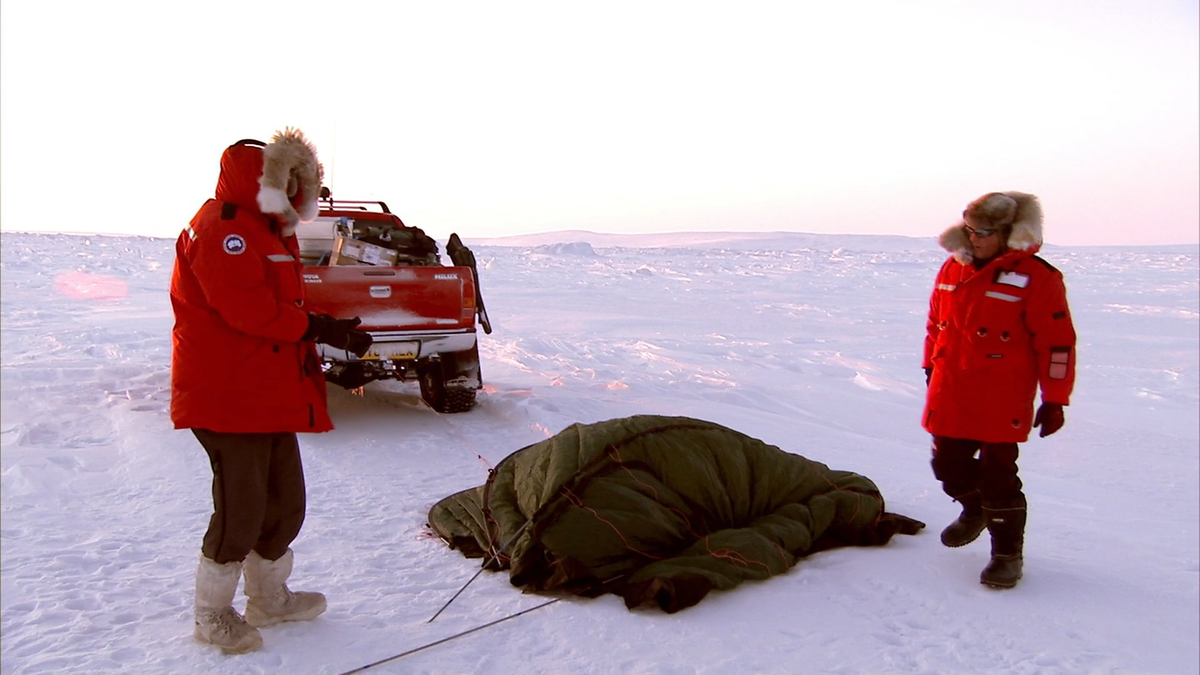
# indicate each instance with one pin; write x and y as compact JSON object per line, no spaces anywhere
{"x":360,"y":260}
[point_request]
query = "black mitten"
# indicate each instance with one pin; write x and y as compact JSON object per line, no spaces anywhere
{"x":1050,"y":418}
{"x":359,"y":342}
{"x":338,"y":333}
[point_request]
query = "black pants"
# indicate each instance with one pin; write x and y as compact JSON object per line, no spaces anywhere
{"x":258,"y":494}
{"x":964,"y":465}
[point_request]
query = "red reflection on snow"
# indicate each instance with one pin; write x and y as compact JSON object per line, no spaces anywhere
{"x":82,"y":285}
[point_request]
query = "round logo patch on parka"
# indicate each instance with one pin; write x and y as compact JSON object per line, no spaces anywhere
{"x":235,"y":245}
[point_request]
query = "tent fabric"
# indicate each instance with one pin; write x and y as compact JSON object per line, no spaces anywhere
{"x":659,"y":510}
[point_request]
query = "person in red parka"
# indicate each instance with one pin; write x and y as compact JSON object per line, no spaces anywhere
{"x":999,"y":329}
{"x":245,"y":378}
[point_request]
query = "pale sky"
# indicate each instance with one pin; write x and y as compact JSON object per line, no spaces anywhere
{"x":491,"y":119}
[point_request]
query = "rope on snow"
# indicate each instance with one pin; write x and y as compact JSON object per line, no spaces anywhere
{"x":495,"y":555}
{"x":447,"y":639}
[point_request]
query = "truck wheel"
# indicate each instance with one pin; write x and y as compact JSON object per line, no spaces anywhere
{"x":437,"y":395}
{"x":459,"y":400}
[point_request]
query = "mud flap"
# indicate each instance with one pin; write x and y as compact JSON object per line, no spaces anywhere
{"x":461,"y":256}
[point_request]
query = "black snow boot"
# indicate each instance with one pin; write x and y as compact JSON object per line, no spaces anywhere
{"x":1007,"y":527}
{"x":969,"y":524}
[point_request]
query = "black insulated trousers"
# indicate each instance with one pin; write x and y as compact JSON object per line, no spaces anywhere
{"x":258,"y":494}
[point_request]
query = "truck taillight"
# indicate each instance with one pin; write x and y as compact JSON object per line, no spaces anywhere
{"x":468,"y":291}
{"x":468,"y":300}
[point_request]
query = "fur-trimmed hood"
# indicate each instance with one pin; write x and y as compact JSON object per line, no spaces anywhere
{"x":1018,"y":212}
{"x":281,"y":178}
{"x":291,"y":178}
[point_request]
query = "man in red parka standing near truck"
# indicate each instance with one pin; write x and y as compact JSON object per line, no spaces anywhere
{"x":245,"y":378}
{"x":999,"y":329}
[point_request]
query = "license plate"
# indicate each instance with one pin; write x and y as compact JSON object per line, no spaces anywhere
{"x":394,"y":350}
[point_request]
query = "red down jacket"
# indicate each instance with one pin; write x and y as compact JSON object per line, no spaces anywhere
{"x":994,"y":335}
{"x":238,"y":364}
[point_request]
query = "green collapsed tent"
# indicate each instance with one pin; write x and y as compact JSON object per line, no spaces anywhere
{"x":658,"y":510}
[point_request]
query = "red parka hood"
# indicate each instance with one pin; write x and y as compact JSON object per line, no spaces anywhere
{"x":241,"y":167}
{"x":281,"y":178}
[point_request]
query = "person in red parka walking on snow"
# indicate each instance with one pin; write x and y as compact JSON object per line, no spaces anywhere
{"x":999,"y":328}
{"x":245,"y":378}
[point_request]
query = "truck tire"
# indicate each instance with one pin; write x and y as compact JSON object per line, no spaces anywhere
{"x":434,"y":375}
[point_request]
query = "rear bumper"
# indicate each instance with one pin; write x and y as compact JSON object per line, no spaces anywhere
{"x":405,"y":345}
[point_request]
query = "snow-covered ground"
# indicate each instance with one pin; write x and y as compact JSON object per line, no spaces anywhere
{"x":808,"y":342}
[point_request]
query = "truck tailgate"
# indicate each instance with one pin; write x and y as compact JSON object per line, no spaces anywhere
{"x":394,"y":298}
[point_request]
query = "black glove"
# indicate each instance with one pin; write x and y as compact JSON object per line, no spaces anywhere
{"x":928,"y":374}
{"x":1050,"y":418}
{"x":338,"y":333}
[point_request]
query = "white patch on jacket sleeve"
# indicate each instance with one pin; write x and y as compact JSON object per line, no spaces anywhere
{"x":1002,"y":296}
{"x":280,"y":257}
{"x":1060,"y":357}
{"x":1013,"y":279}
{"x":234,"y":244}
{"x":946,"y":287}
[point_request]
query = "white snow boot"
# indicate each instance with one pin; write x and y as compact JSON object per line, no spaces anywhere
{"x":270,"y":600}
{"x":217,"y":622}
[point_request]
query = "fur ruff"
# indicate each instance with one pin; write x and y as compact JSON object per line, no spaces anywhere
{"x":1019,"y":211}
{"x":291,"y":180}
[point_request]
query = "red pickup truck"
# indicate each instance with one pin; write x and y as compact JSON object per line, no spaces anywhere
{"x":362,"y":261}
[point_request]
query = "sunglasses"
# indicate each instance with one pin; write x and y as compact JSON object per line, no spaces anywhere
{"x":980,"y":232}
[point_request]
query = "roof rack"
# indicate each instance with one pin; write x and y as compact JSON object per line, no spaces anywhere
{"x":327,"y":200}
